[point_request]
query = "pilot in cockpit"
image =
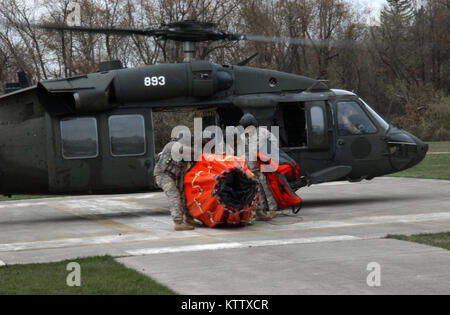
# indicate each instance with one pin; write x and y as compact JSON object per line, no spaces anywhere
{"x":348,"y":120}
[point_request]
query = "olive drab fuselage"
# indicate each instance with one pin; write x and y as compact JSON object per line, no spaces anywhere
{"x":95,"y":133}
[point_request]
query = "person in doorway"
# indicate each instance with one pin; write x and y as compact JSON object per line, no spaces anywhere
{"x":267,"y":206}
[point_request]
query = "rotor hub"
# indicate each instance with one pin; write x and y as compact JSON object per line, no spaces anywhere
{"x":192,"y":31}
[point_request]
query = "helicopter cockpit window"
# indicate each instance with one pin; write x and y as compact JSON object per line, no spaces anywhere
{"x":317,"y":124}
{"x":375,"y":115}
{"x":352,"y":120}
{"x":79,"y":138}
{"x":127,"y":135}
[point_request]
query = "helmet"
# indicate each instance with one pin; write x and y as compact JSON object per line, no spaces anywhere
{"x":184,"y":138}
{"x":184,"y":134}
{"x":248,"y":120}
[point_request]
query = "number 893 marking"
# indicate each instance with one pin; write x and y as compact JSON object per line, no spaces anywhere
{"x":155,"y":81}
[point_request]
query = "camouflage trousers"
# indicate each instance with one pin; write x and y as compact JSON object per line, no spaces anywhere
{"x":267,"y":203}
{"x":169,"y":186}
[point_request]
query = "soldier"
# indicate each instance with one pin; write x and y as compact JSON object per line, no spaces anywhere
{"x":267,"y":206}
{"x":167,"y":172}
{"x":346,"y":117}
{"x":227,"y":143}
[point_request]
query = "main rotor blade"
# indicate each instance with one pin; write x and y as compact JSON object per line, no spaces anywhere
{"x":87,"y":29}
{"x":186,"y":32}
{"x":299,"y":41}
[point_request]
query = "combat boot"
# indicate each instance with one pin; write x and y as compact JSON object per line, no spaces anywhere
{"x":183,"y":227}
{"x":193,"y":222}
{"x":262,"y":216}
{"x":252,"y":219}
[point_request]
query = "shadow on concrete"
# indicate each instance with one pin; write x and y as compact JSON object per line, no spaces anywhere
{"x":309,"y":204}
{"x":89,"y":217}
{"x":358,"y":200}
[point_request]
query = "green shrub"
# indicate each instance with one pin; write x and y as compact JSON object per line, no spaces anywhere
{"x":424,"y":112}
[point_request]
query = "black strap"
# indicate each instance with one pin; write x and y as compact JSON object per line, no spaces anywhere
{"x":297,"y":210}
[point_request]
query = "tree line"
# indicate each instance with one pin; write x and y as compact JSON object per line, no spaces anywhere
{"x":397,"y":59}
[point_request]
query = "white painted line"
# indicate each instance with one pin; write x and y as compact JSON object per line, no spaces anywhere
{"x":73,"y":242}
{"x":2,"y":263}
{"x":237,"y":245}
{"x":374,"y":220}
{"x":86,"y":199}
{"x":437,"y":153}
{"x":335,"y":183}
{"x":159,"y":233}
{"x":8,"y":204}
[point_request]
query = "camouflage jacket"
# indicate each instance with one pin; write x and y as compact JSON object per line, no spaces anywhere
{"x":165,"y":165}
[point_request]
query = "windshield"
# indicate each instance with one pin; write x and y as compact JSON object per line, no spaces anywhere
{"x":352,"y":120}
{"x":383,"y":124}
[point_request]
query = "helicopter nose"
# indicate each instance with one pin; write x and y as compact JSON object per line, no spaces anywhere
{"x":406,"y":150}
{"x":422,"y":149}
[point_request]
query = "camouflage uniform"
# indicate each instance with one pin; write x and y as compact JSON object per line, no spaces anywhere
{"x":167,"y":172}
{"x":267,"y":202}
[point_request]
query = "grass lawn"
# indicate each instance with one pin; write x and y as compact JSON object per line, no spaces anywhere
{"x":436,"y":166}
{"x":441,"y":146}
{"x":437,"y":240}
{"x":99,"y":275}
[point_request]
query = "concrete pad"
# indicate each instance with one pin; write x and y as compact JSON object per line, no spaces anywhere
{"x":56,"y":229}
{"x":319,"y":268}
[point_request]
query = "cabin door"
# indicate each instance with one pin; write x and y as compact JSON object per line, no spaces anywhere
{"x":305,"y":133}
{"x":110,"y":152}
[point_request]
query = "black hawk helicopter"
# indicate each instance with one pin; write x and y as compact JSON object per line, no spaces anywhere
{"x":95,"y":133}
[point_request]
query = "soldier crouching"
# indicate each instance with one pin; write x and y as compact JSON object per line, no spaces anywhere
{"x":167,"y":172}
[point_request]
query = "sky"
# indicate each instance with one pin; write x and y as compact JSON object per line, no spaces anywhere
{"x":375,"y":7}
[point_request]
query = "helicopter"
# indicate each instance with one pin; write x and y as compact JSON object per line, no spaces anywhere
{"x":95,"y":133}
